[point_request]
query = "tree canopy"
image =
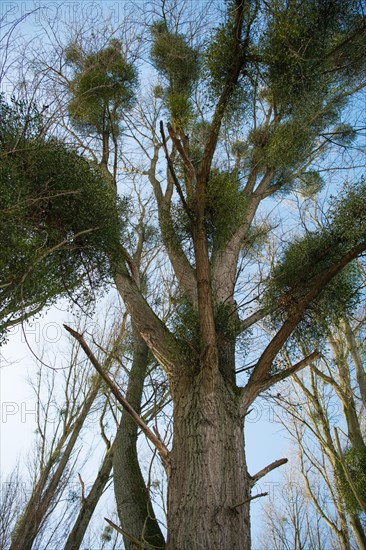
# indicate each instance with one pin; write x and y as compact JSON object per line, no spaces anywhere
{"x":56,"y":240}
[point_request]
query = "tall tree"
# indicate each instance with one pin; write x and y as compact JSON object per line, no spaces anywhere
{"x":292,"y":73}
{"x":272,"y":81}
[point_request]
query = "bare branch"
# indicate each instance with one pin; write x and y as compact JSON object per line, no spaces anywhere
{"x":259,"y":495}
{"x":182,"y":152}
{"x":295,"y":368}
{"x":253,"y":318}
{"x":173,"y":174}
{"x":267,"y":469}
{"x":162,"y":450}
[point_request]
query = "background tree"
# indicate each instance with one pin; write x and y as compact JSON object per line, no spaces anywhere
{"x":320,"y":407}
{"x":59,"y":425}
{"x":290,"y":520}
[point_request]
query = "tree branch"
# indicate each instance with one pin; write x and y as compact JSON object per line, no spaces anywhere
{"x":252,"y":319}
{"x":326,"y":378}
{"x":238,"y":62}
{"x":173,"y":174}
{"x":291,"y":370}
{"x":267,"y":469}
{"x":225,"y":260}
{"x":162,"y":450}
{"x":155,"y":333}
{"x":182,"y":268}
{"x":345,"y":469}
{"x":122,"y":532}
{"x":180,"y":148}
{"x":259,"y":375}
{"x":259,"y":495}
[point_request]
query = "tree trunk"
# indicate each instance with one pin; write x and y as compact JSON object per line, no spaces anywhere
{"x":89,"y":504}
{"x":208,"y":489}
{"x":133,"y":501}
{"x":358,"y":531}
{"x":356,"y":358}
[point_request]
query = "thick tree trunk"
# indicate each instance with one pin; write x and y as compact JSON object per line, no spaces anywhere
{"x":208,"y":489}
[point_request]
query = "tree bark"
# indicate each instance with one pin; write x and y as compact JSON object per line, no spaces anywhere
{"x":358,"y":531}
{"x":356,"y":358}
{"x":209,"y":489}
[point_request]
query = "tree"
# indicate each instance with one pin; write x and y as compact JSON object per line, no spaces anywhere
{"x":11,"y":505}
{"x":323,"y":409}
{"x":273,"y":80}
{"x":319,"y":406}
{"x":55,"y":461}
{"x":290,"y":520}
{"x":49,"y":232}
{"x":301,"y":84}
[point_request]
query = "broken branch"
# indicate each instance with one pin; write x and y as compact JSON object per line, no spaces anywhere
{"x":162,"y":450}
{"x":259,"y":495}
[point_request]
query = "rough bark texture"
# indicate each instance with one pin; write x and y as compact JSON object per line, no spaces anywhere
{"x":208,"y":477}
{"x":133,"y":502}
